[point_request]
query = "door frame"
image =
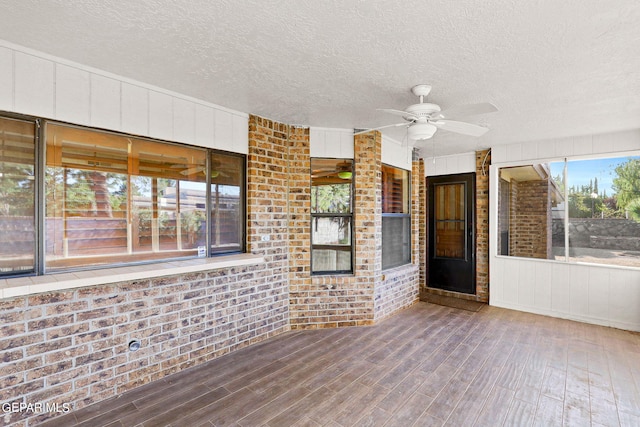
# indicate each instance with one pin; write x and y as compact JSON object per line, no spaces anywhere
{"x":470,"y":233}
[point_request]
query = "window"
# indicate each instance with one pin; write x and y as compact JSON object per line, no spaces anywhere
{"x":396,"y":217}
{"x":112,"y":199}
{"x":227,"y":203}
{"x":572,"y":210}
{"x":331,"y":216}
{"x":17,"y":196}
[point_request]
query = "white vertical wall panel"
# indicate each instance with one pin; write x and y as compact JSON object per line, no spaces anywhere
{"x":6,"y":79}
{"x":526,"y":284}
{"x":582,"y":145}
{"x":542,"y":293}
{"x":135,"y":109}
{"x":599,"y":293}
{"x":317,"y":145}
{"x":331,"y":143}
{"x":105,"y":102}
{"x":240,"y":134}
{"x":396,"y":154}
{"x":160,"y":115}
{"x":38,"y":84}
{"x":579,"y":290}
{"x":223,"y":130}
{"x":514,"y":152}
{"x":346,"y":144}
{"x":34,"y":85}
{"x":560,"y":289}
{"x":593,"y":293}
{"x":204,"y":126}
{"x":529,"y":150}
{"x":184,"y":121}
{"x":73,"y":95}
{"x":564,"y":147}
{"x":449,"y":165}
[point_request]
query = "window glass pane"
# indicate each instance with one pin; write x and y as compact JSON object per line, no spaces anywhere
{"x":328,"y":260}
{"x":604,"y":211}
{"x":601,"y":197}
{"x":112,"y":199}
{"x":331,"y":231}
{"x":450,"y":221}
{"x":558,"y":209}
{"x":504,"y":216}
{"x":396,"y":241}
{"x":227,"y":208}
{"x":331,"y":185}
{"x":396,"y":219}
{"x":527,"y":196}
{"x":395,"y":190}
{"x":17,"y":196}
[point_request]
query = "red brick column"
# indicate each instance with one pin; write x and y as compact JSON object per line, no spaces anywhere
{"x":483,"y":160}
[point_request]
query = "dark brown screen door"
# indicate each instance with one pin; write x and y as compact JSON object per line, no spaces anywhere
{"x":451,"y":233}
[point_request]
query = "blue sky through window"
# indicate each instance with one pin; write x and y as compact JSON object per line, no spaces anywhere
{"x":581,"y":172}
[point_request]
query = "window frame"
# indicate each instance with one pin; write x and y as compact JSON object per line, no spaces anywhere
{"x":406,"y":216}
{"x":40,"y":168}
{"x":349,"y":215}
{"x":565,"y":257}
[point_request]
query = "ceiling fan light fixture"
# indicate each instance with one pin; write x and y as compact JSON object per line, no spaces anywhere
{"x":420,"y":131}
{"x":345,"y":174}
{"x":214,"y":174}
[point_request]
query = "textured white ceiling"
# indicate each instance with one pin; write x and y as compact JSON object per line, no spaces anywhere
{"x":554,"y":68}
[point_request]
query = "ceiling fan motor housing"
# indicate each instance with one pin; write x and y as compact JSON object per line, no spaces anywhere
{"x":424,"y":109}
{"x":420,"y":131}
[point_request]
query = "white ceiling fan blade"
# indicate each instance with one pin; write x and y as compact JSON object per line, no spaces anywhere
{"x":404,"y":114}
{"x":467,"y":110}
{"x":460,"y":127}
{"x":381,"y":127}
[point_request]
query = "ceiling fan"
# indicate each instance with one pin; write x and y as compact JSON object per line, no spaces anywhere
{"x":424,"y":119}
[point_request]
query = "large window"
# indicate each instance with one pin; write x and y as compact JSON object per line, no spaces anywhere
{"x":572,"y":210}
{"x":112,"y":199}
{"x":331,"y":216}
{"x":396,"y":217}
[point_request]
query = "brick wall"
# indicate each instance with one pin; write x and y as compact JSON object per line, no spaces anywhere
{"x":267,"y":193}
{"x":71,"y":346}
{"x":355,"y":299}
{"x":483,"y":161}
{"x":530,"y":222}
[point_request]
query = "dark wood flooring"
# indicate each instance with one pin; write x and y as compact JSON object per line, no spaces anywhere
{"x":426,"y":366}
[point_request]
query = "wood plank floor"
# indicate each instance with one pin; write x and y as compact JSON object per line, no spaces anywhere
{"x":426,"y":366}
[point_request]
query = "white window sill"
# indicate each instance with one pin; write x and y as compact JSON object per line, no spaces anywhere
{"x":21,"y":286}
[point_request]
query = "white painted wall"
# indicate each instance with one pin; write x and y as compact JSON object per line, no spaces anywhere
{"x":397,"y":154}
{"x":37,"y":84}
{"x":331,"y":143}
{"x":449,"y":165}
{"x":591,"y":293}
